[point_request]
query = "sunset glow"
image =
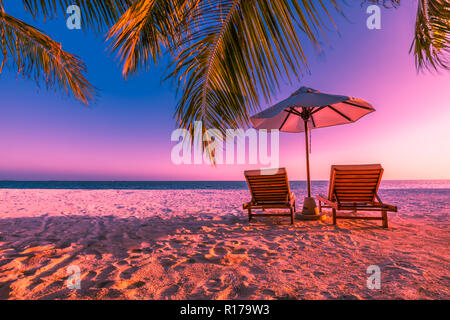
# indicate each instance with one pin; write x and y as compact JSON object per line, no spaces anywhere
{"x":125,"y":135}
{"x":107,"y":191}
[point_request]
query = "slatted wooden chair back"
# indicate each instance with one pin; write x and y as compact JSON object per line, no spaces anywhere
{"x":354,"y":183}
{"x":268,"y":186}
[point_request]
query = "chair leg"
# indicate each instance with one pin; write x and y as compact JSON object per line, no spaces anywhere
{"x":334,"y":216}
{"x":292,"y":215}
{"x":294,"y":207}
{"x":385,"y":218}
{"x":249,"y":214}
{"x":320,"y":207}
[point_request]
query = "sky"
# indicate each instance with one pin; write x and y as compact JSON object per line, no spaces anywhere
{"x":126,"y":133}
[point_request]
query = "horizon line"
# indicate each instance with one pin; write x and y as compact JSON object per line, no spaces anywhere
{"x":421,"y":179}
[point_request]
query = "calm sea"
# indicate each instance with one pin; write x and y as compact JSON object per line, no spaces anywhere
{"x":418,"y":198}
{"x":221,"y":185}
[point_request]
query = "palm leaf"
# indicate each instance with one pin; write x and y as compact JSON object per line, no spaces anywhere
{"x":144,"y":31}
{"x":239,"y":51}
{"x":227,"y":52}
{"x":34,"y":55}
{"x":96,"y":14}
{"x":431,"y":45}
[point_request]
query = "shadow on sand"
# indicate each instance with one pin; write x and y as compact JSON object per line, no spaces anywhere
{"x":129,"y":254}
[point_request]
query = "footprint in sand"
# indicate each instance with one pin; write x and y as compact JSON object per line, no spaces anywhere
{"x":244,"y":290}
{"x":224,"y":255}
{"x":128,"y":273}
{"x":113,"y":294}
{"x":255,"y":270}
{"x":29,"y":272}
{"x":136,"y":285}
{"x":268,"y":292}
{"x":287,"y":271}
{"x":169,"y":292}
{"x":122,"y":263}
{"x":168,"y":262}
{"x":214,"y":285}
{"x":106,"y":272}
{"x":35,"y":283}
{"x":239,"y":250}
{"x":216,"y":254}
{"x":257,"y":251}
{"x":286,"y":296}
{"x":90,"y":275}
{"x":271,"y":253}
{"x":104,"y":284}
{"x":230,"y":286}
{"x":220,"y":251}
{"x":5,"y":290}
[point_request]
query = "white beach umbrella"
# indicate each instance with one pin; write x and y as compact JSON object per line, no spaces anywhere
{"x":308,"y":109}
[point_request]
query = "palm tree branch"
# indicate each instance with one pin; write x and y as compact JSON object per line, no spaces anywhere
{"x":239,"y":50}
{"x":96,"y":14}
{"x":431,"y":45}
{"x":35,"y":55}
{"x":215,"y":47}
{"x":145,"y":30}
{"x":267,"y":30}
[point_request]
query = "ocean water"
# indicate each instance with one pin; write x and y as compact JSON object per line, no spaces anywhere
{"x":416,"y":198}
{"x":219,"y":185}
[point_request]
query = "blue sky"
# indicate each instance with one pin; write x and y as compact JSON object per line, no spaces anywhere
{"x":125,"y":134}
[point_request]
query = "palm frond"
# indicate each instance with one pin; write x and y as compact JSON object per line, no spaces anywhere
{"x":227,"y":52}
{"x":34,"y":55}
{"x":239,"y":50}
{"x":146,"y":29}
{"x":431,"y":45}
{"x":96,"y":14}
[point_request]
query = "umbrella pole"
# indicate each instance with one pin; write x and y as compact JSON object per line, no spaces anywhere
{"x":308,"y":178}
{"x":309,"y":211}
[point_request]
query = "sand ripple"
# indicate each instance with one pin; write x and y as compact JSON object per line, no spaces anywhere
{"x":185,"y":244}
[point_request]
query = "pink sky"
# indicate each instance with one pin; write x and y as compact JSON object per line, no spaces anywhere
{"x":126,"y":135}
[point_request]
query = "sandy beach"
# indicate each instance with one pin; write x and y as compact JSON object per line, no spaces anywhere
{"x":198,"y":244}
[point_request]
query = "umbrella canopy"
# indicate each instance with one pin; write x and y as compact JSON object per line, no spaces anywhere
{"x":307,"y":109}
{"x":320,"y":109}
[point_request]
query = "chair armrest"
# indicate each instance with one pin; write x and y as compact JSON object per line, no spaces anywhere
{"x":385,"y":205}
{"x":388,"y":207}
{"x":379,"y":199}
{"x":291,"y":198}
{"x":325,"y":200}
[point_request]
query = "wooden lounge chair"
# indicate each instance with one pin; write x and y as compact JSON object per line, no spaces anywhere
{"x":355,"y":187}
{"x":269,"y":189}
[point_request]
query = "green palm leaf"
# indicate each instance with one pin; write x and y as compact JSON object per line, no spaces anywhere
{"x":145,"y":30}
{"x":431,"y":45}
{"x":239,"y":51}
{"x":34,"y":55}
{"x":96,"y":14}
{"x":227,"y":52}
